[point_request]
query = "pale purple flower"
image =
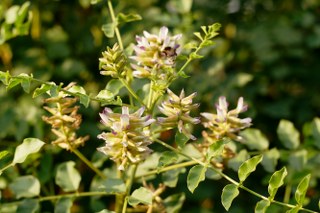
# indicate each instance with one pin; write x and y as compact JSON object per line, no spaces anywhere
{"x":127,"y":141}
{"x":224,"y":122}
{"x":153,"y":53}
{"x":177,"y":109}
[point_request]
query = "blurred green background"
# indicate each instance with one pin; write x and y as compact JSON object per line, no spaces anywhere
{"x":268,"y":51}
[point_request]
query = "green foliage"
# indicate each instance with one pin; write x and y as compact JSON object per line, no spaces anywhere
{"x":229,"y":193}
{"x":28,"y":146}
{"x":28,"y":206}
{"x":141,"y":195}
{"x":113,"y":186}
{"x":262,"y":206}
{"x":63,"y":205}
{"x":288,"y":135}
{"x":276,"y":181}
{"x":302,"y":190}
{"x":255,"y":139}
{"x":25,"y":187}
{"x":67,"y":177}
{"x":195,"y":176}
{"x":248,"y":167}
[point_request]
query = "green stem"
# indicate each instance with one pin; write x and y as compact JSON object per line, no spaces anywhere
{"x":168,"y":168}
{"x":88,"y":163}
{"x":229,"y":178}
{"x":129,"y":186}
{"x":123,"y":81}
{"x":150,"y":97}
{"x":6,"y":167}
{"x":114,"y":21}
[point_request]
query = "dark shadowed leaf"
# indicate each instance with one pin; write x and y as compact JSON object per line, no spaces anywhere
{"x":63,"y":205}
{"x":67,"y":177}
{"x":25,"y":186}
{"x":28,"y":206}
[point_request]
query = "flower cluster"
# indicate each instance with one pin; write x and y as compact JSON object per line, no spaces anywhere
{"x":225,"y":123}
{"x":64,"y":120}
{"x":155,"y":54}
{"x":177,"y":109}
{"x":113,"y":62}
{"x":127,"y":140}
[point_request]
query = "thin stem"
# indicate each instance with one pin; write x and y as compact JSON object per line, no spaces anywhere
{"x":6,"y":167}
{"x":168,"y":168}
{"x":88,"y":163}
{"x":114,"y":21}
{"x":150,"y":97}
{"x":129,"y":186}
{"x":123,"y":81}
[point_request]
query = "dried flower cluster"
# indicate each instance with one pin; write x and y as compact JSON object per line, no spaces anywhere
{"x":225,"y":123}
{"x":177,"y":109}
{"x":155,"y":55}
{"x":64,"y":120}
{"x":127,"y":140}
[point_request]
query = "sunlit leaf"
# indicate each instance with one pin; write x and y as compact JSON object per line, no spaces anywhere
{"x":124,"y":18}
{"x":276,"y":180}
{"x":28,"y":206}
{"x":44,"y":88}
{"x":108,"y":30}
{"x":216,"y":149}
{"x":28,"y":146}
{"x":3,"y":154}
{"x":229,"y":193}
{"x":112,"y":185}
{"x":25,"y":186}
{"x":248,"y":167}
{"x":5,"y":77}
{"x":255,"y":139}
{"x":294,"y":210}
{"x":198,"y":34}
{"x":235,"y":162}
{"x":67,"y":177}
{"x":174,"y":202}
{"x":302,"y":190}
{"x":195,"y":176}
{"x":141,"y":195}
{"x":13,"y":82}
{"x":194,"y":55}
{"x":288,"y":134}
{"x":63,"y":205}
{"x":262,"y":206}
{"x":105,"y":95}
{"x":114,"y":85}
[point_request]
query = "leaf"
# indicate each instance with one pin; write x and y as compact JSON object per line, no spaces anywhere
{"x":14,"y":81}
{"x":255,"y":139}
{"x":28,"y":146}
{"x":25,"y":186}
{"x":261,"y":206}
{"x":174,"y":202}
{"x":141,"y":195}
{"x":216,"y":149}
{"x":81,"y":93}
{"x":42,"y":89}
{"x":229,"y":193}
{"x":276,"y":180}
{"x":166,"y":158}
{"x":28,"y":206}
{"x":181,"y":139}
{"x":105,"y":95}
{"x":270,"y":159}
{"x":67,"y":177}
{"x":198,"y":34}
{"x":114,"y":85}
{"x":170,"y":178}
{"x":3,"y":154}
{"x":195,"y":176}
{"x":294,"y":210}
{"x":248,"y":167}
{"x":302,"y":189}
{"x":5,"y":77}
{"x":22,"y":13}
{"x":108,"y":30}
{"x":113,"y":186}
{"x":298,"y":159}
{"x":315,"y":131}
{"x":124,"y":18}
{"x":194,"y":55}
{"x":25,"y":83}
{"x":288,"y":134}
{"x":63,"y":205}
